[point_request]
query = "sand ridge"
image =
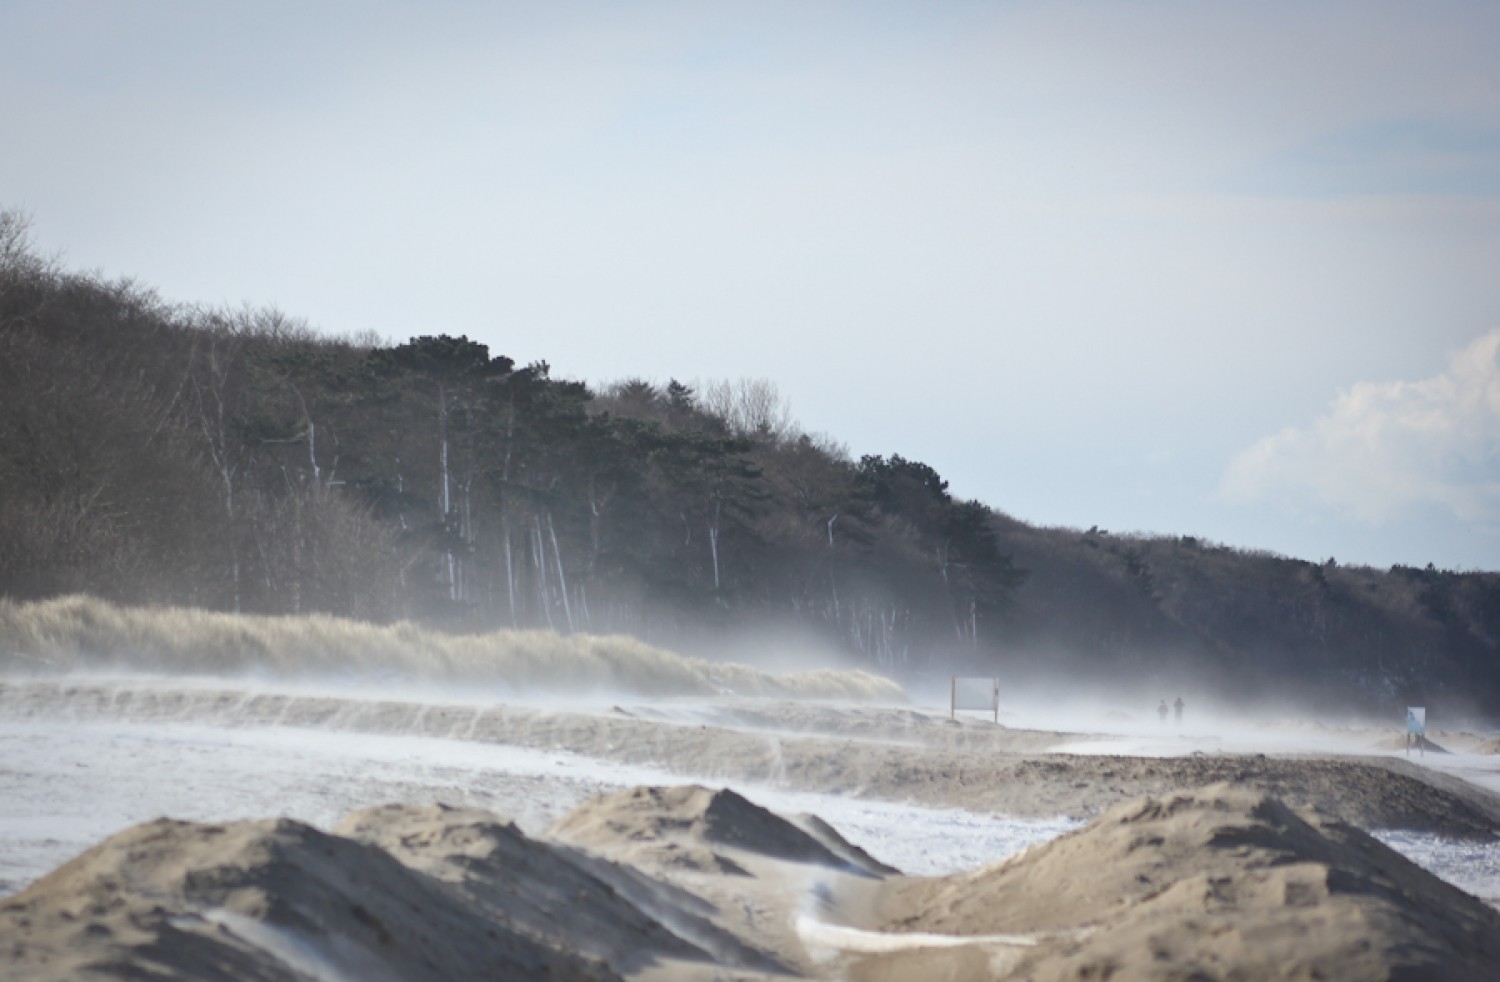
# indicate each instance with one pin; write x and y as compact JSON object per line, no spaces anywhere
{"x":758,"y":870}
{"x":548,"y":890}
{"x":706,"y":826}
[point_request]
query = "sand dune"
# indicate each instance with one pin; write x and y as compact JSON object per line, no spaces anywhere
{"x":668,"y":825}
{"x":274,"y":900}
{"x":564,"y":896}
{"x":1218,"y":883}
{"x":73,"y":634}
{"x":1449,"y":741}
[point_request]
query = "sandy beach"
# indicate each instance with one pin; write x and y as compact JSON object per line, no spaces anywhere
{"x":1176,"y":862}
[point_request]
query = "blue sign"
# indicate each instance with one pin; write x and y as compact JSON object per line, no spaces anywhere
{"x":1416,"y":720}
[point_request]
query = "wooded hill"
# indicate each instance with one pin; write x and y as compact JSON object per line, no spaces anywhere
{"x":236,"y":460}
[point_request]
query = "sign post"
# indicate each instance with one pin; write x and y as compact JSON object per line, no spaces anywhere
{"x":975,"y":693}
{"x":1416,"y":729}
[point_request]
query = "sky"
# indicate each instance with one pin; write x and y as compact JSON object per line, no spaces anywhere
{"x":1229,"y":270}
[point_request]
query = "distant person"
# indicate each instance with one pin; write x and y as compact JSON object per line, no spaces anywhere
{"x":1178,"y":706}
{"x":1161,"y":711}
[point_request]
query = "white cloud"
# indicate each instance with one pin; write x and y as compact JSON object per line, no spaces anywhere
{"x":1386,"y":448}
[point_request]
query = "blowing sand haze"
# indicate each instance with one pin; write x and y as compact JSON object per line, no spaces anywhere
{"x":83,"y":634}
{"x":469,"y":833}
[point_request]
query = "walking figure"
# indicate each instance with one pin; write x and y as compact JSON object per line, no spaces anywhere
{"x":1178,"y":706}
{"x":1161,"y":710}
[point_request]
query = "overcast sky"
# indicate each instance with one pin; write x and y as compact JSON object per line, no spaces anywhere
{"x":1229,"y":270}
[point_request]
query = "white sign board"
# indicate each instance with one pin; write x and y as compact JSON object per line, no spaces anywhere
{"x":976,"y":693}
{"x":1416,"y":729}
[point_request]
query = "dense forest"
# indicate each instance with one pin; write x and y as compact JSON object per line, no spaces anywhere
{"x":237,"y":460}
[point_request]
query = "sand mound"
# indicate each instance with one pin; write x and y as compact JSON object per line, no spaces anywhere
{"x":754,"y":868}
{"x":573,"y":901}
{"x":267,"y":900}
{"x":71,"y":634}
{"x":1400,"y":742}
{"x":705,"y":830}
{"x":1219,"y":883}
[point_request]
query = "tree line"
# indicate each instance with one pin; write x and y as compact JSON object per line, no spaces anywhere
{"x":237,"y":460}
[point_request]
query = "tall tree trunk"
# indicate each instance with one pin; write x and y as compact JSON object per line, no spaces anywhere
{"x":540,"y":555}
{"x":447,"y":500}
{"x":713,"y":544}
{"x":510,"y":572}
{"x":561,"y":577}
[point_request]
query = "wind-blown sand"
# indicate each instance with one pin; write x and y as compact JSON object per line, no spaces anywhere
{"x":80,"y":633}
{"x":1207,"y":866}
{"x":866,"y":751}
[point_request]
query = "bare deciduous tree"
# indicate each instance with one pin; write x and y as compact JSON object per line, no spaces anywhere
{"x":749,"y":407}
